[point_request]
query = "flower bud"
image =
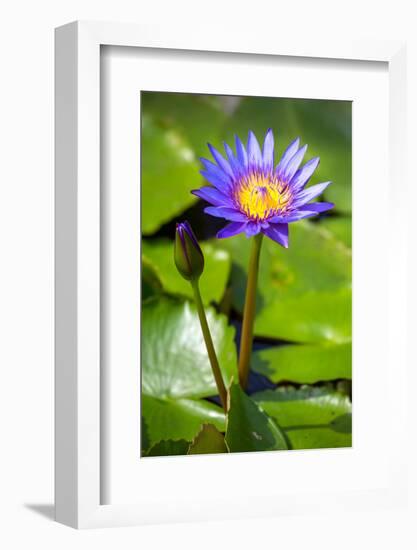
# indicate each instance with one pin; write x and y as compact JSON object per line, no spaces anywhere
{"x":188,"y":255}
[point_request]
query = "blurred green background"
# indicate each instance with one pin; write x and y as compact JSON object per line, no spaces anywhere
{"x":301,"y":365}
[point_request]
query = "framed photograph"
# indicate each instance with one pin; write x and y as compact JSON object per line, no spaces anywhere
{"x":230,"y":279}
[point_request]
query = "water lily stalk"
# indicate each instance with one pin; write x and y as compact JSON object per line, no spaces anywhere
{"x":249,"y":311}
{"x":189,"y":260}
{"x":209,"y":345}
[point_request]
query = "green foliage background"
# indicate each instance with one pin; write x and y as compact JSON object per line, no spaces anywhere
{"x":300,"y":388}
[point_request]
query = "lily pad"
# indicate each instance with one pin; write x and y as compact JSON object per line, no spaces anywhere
{"x":341,"y":227}
{"x":174,"y":356}
{"x":159,"y":254}
{"x":169,"y":447}
{"x":170,"y":169}
{"x":310,"y":417}
{"x":312,"y":317}
{"x":151,"y":284}
{"x":304,"y":364}
{"x":314,"y":261}
{"x":198,"y":117}
{"x":176,"y":371}
{"x":177,"y":418}
{"x":248,"y":427}
{"x":208,"y":441}
{"x":304,"y":292}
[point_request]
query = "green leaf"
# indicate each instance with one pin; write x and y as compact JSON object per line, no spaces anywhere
{"x":151,"y":285}
{"x":160,"y":255}
{"x":315,"y":261}
{"x":208,"y":441}
{"x":176,"y":371}
{"x":169,"y":171}
{"x":177,"y":418}
{"x":174,"y":357}
{"x":175,"y":132}
{"x":324,"y":124}
{"x":312,"y":317}
{"x":304,"y":364}
{"x":328,"y":130}
{"x":341,"y":227}
{"x":198,"y":117}
{"x":169,"y":447}
{"x":310,"y":417}
{"x":248,"y":427}
{"x":304,"y":291}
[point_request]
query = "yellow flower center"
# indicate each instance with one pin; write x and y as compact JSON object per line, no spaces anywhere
{"x":259,"y":196}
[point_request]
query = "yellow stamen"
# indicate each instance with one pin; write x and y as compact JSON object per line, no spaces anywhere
{"x":260,"y":195}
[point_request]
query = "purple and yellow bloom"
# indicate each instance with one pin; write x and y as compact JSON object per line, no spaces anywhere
{"x":256,"y":196}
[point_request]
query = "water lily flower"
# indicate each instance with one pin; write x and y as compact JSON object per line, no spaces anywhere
{"x":188,"y":255}
{"x":256,"y":196}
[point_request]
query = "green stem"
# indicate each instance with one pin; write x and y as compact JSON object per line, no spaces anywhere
{"x":209,"y":345}
{"x":249,"y":311}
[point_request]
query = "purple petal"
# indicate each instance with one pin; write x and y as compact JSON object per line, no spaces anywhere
{"x":223,"y":164}
{"x":185,"y":226}
{"x":294,"y":216}
{"x":241,"y":154}
{"x":231,"y":229}
{"x":213,"y":172}
{"x":304,"y":174}
{"x":213,"y":196}
{"x":254,"y":151}
{"x":214,"y":180}
{"x":310,"y":193}
{"x":293,"y":164}
{"x":268,"y":151}
{"x":252,"y":229}
{"x":288,"y":154}
{"x":278,"y":233}
{"x":233,"y":161}
{"x":317,"y":206}
{"x":227,"y":213}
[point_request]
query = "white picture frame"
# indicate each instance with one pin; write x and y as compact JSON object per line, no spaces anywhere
{"x":78,"y":321}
